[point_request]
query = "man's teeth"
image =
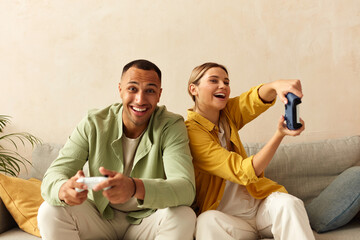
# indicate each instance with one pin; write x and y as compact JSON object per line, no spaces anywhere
{"x":139,"y":109}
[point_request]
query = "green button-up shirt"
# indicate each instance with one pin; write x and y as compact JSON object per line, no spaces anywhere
{"x":162,"y":161}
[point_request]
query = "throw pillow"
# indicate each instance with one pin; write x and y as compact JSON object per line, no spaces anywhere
{"x":22,"y":198}
{"x":338,"y":203}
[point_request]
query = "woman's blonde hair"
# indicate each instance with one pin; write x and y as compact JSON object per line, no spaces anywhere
{"x":199,"y":71}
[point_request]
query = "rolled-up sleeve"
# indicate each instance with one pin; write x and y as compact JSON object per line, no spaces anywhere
{"x":71,"y":158}
{"x":179,"y":186}
{"x":246,"y":107}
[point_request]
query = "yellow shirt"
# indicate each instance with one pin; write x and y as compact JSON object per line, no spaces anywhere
{"x":214,"y":164}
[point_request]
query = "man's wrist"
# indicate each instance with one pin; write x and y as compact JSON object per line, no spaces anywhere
{"x":134,"y":183}
{"x":140,"y":189}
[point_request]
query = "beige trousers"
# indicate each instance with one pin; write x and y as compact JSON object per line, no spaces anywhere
{"x":279,"y":216}
{"x":84,"y":222}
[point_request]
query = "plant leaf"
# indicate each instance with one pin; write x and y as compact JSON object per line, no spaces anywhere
{"x":4,"y":119}
{"x":10,"y":161}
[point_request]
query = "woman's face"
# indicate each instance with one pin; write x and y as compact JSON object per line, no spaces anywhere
{"x":213,"y":90}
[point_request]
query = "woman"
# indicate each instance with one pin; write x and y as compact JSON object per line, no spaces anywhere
{"x":234,"y":199}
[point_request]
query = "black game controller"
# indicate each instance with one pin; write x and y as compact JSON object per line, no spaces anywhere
{"x":292,"y":117}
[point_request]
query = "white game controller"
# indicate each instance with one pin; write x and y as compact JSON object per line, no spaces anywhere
{"x":90,"y":182}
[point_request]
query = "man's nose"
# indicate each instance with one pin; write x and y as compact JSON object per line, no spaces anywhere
{"x":140,"y":97}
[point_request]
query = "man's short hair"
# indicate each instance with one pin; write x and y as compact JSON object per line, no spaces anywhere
{"x":144,"y":65}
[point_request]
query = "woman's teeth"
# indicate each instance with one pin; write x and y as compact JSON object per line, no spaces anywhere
{"x":220,"y":95}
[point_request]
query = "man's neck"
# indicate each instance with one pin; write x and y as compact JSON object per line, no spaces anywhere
{"x":133,"y":132}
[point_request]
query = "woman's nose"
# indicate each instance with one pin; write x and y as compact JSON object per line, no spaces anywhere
{"x":221,"y":84}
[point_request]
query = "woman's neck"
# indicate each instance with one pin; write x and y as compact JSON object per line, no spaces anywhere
{"x":211,"y":115}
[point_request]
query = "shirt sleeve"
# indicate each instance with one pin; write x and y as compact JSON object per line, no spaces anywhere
{"x":209,"y":156}
{"x":246,"y":107}
{"x":71,"y":158}
{"x":179,"y":186}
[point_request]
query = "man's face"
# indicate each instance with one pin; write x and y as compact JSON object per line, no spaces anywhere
{"x":140,"y":91}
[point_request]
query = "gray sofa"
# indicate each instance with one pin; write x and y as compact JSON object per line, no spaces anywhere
{"x":305,"y":169}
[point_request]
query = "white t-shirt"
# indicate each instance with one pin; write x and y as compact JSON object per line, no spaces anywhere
{"x":129,"y":146}
{"x":236,"y":200}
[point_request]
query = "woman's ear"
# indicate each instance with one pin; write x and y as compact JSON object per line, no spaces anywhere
{"x":193,"y":89}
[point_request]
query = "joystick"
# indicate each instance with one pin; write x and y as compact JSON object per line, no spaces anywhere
{"x":91,"y":182}
{"x":292,"y":116}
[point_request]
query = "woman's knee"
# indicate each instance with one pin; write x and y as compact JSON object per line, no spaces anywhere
{"x":206,"y":218}
{"x":214,"y":224}
{"x":288,"y":201}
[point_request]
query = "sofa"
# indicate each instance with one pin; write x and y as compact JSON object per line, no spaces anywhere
{"x":305,"y":169}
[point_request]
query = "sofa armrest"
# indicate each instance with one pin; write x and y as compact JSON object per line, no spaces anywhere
{"x":6,"y":220}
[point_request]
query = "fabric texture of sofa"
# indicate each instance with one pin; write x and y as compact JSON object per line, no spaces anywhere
{"x":305,"y":169}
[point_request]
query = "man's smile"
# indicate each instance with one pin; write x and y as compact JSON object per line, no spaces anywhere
{"x":138,"y":109}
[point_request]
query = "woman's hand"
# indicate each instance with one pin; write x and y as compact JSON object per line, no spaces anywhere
{"x":283,"y":87}
{"x":268,"y":91}
{"x":282,"y":129}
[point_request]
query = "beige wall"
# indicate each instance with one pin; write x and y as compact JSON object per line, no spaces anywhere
{"x":60,"y":58}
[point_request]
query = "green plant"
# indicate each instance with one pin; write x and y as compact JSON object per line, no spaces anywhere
{"x":11,"y":160}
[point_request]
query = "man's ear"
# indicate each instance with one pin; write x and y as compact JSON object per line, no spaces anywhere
{"x":119,"y":87}
{"x":159,"y":94}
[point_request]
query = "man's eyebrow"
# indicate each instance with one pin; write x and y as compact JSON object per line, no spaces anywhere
{"x":133,"y":82}
{"x":148,"y":85}
{"x":152,"y":85}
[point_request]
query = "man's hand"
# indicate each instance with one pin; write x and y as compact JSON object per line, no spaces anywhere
{"x":67,"y":191}
{"x":122,"y":187}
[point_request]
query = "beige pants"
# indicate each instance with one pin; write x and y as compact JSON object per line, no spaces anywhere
{"x":280,"y":215}
{"x":84,"y":222}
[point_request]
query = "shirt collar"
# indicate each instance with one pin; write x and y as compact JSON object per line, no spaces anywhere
{"x":194,"y":116}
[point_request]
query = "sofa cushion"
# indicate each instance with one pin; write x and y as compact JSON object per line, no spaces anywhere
{"x":17,"y":234}
{"x":42,"y":156}
{"x":338,"y":203}
{"x":306,"y":169}
{"x":22,"y":199}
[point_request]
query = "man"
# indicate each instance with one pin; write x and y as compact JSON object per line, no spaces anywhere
{"x":143,"y":150}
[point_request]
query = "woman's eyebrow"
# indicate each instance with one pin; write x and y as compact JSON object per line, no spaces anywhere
{"x":216,"y":76}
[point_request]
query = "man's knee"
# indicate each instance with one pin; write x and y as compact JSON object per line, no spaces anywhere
{"x":46,"y":214}
{"x":47,"y":218}
{"x":184,"y":215}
